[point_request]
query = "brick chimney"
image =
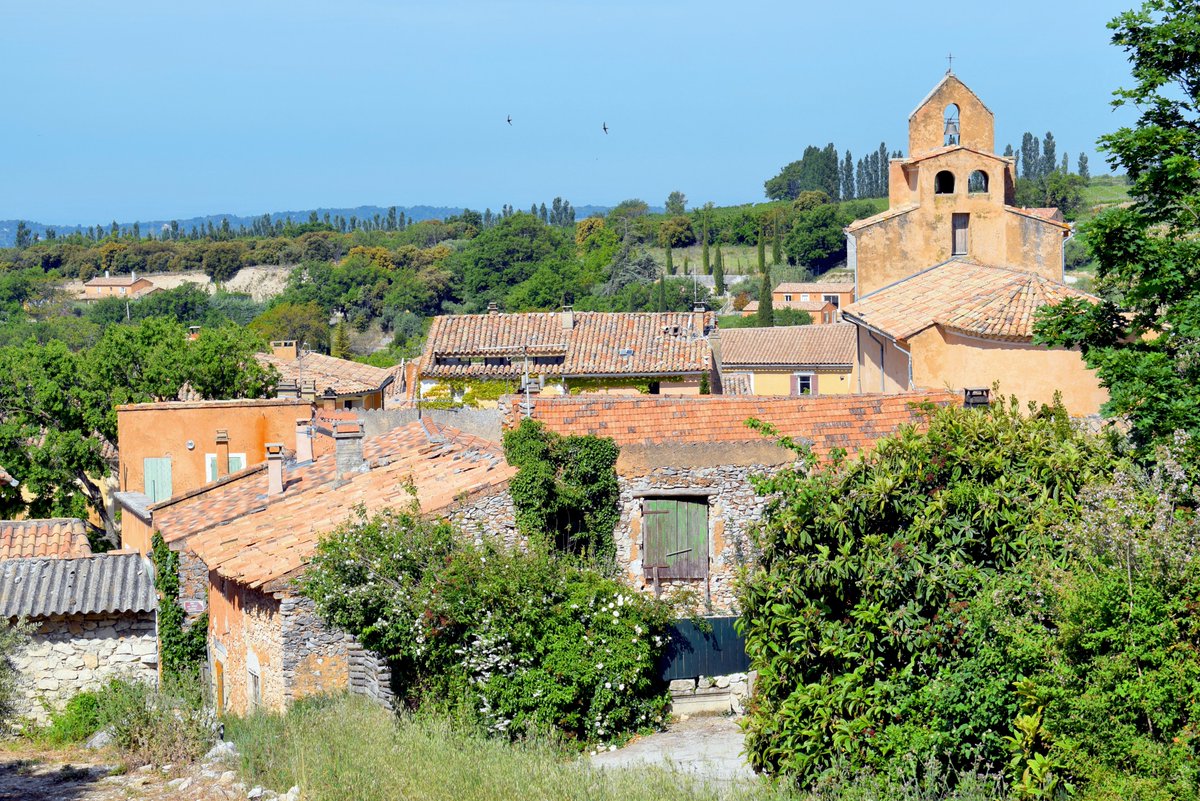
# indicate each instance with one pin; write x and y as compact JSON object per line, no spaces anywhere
{"x":304,"y":451}
{"x":347,"y":439}
{"x":274,"y":468}
{"x":285,"y":349}
{"x":567,"y":315}
{"x":222,"y":453}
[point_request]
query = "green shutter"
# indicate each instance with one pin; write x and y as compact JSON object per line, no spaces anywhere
{"x":676,"y":537}
{"x":157,"y":478}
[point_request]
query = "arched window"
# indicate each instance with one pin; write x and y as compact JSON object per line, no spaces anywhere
{"x":943,"y":183}
{"x":977,"y":182}
{"x":952,"y":129}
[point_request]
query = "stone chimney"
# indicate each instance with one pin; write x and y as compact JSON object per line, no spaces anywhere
{"x":106,"y":273}
{"x":285,"y":349}
{"x":287,"y":389}
{"x":347,"y":438}
{"x":304,"y":450}
{"x":274,"y":468}
{"x":329,"y":399}
{"x":493,"y":307}
{"x":222,"y":453}
{"x":567,"y":315}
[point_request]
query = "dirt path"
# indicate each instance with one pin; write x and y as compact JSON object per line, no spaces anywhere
{"x":707,"y":747}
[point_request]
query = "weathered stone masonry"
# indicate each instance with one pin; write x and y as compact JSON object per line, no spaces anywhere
{"x":67,"y":655}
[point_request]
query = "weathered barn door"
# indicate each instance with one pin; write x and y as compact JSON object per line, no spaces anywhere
{"x":959,"y":223}
{"x":676,"y":537}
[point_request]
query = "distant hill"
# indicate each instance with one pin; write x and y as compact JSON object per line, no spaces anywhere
{"x":8,"y":228}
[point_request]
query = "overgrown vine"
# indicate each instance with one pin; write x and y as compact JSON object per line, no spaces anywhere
{"x":183,"y":648}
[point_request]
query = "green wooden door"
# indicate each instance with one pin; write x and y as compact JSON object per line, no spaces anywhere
{"x":676,"y":537}
{"x":156,"y":479}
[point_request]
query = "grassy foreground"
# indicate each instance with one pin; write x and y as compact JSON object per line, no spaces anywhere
{"x":347,"y":748}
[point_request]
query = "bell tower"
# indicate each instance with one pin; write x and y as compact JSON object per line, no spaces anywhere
{"x":951,"y":115}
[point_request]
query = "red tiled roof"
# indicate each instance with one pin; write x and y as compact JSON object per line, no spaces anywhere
{"x":343,"y":376}
{"x":790,"y":346}
{"x":597,"y":344}
{"x":982,"y":301}
{"x":442,"y":465}
{"x":852,"y":422}
{"x":57,"y":538}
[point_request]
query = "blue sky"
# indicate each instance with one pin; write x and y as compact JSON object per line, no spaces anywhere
{"x":131,"y":110}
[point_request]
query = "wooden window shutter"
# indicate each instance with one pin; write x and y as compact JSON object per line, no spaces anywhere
{"x":676,"y":539}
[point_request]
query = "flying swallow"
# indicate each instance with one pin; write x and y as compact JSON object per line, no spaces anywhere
{"x":605,"y":127}
{"x":509,"y":119}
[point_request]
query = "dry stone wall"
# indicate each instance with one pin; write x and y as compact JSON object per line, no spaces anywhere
{"x":69,"y":654}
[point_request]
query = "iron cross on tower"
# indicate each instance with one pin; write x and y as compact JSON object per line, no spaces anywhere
{"x":950,"y":59}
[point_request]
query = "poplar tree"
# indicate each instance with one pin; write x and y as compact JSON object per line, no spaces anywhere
{"x":848,"y":178}
{"x":1066,"y":162}
{"x":1049,"y":156}
{"x":1083,"y":167}
{"x":882,"y":186}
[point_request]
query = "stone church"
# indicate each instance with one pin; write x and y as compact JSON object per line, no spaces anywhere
{"x":950,"y":277}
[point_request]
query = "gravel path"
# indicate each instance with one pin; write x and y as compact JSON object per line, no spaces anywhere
{"x":707,"y":747}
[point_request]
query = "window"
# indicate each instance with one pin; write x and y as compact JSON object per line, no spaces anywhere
{"x":804,"y":297}
{"x":156,"y":478}
{"x":943,"y":183}
{"x":451,"y":360}
{"x":675,"y":543}
{"x":121,"y":290}
{"x":958,"y":224}
{"x":804,"y":384}
{"x":977,"y":181}
{"x":547,"y":359}
{"x":237,"y":461}
{"x":787,"y":298}
{"x":497,"y":361}
{"x":831,"y":299}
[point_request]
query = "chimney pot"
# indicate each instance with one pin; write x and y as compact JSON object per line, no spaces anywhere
{"x":274,"y":468}
{"x":304,"y":452}
{"x":493,"y":307}
{"x":347,"y":439}
{"x":106,"y":273}
{"x":568,"y":317}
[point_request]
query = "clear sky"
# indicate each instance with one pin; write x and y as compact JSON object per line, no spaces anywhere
{"x":140,"y":110}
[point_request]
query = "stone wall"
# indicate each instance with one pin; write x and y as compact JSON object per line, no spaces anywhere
{"x":193,"y":584}
{"x":245,"y":635}
{"x":69,"y":654}
{"x":733,"y":507}
{"x":318,"y":659}
{"x":712,"y":695}
{"x":489,"y":516}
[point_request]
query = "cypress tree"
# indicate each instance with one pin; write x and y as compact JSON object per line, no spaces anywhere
{"x":777,"y":241}
{"x":766,"y":309}
{"x":670,"y":262}
{"x":762,"y":249}
{"x":662,"y":293}
{"x":719,"y":273}
{"x":704,"y":256}
{"x":340,"y":347}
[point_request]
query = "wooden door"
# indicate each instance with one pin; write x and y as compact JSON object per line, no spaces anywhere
{"x":959,"y":223}
{"x":676,"y":537}
{"x":219,"y":688}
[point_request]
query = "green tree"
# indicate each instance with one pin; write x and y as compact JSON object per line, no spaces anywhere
{"x":340,"y":345}
{"x":777,"y":239}
{"x":1049,"y":155}
{"x":306,"y":323}
{"x":1148,"y":255}
{"x":676,"y":204}
{"x":1082,"y":169}
{"x":762,"y":249}
{"x":222,"y":261}
{"x":816,"y":239}
{"x":766,"y":305}
{"x":719,"y":273}
{"x":661,"y":296}
{"x":24,"y":238}
{"x":670,"y":262}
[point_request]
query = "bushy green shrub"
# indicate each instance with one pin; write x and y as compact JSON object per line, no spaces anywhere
{"x":859,"y":618}
{"x":157,"y":725}
{"x":528,"y":640}
{"x":13,"y":637}
{"x":75,"y":722}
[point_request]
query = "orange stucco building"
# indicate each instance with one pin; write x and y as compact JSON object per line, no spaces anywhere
{"x":167,"y":449}
{"x":950,"y":278}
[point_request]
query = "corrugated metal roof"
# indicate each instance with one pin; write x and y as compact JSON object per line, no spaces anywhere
{"x":104,"y":583}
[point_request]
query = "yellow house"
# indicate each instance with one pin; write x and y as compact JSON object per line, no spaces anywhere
{"x":789,"y":360}
{"x":949,"y":279}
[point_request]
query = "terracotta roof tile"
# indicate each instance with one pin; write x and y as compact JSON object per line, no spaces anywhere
{"x":597,"y":344}
{"x":115,"y":280}
{"x":344,"y":377}
{"x":828,"y":287}
{"x":786,"y":346}
{"x":56,"y":538}
{"x":853,"y":422}
{"x":245,"y":535}
{"x":982,"y":301}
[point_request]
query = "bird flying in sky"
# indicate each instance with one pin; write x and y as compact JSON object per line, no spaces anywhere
{"x":510,"y":119}
{"x":605,"y":127}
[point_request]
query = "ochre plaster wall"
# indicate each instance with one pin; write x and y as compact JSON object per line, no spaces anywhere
{"x":927,"y":125}
{"x":894,"y":367}
{"x":242,"y":622}
{"x":779,"y":382}
{"x":154,"y":430}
